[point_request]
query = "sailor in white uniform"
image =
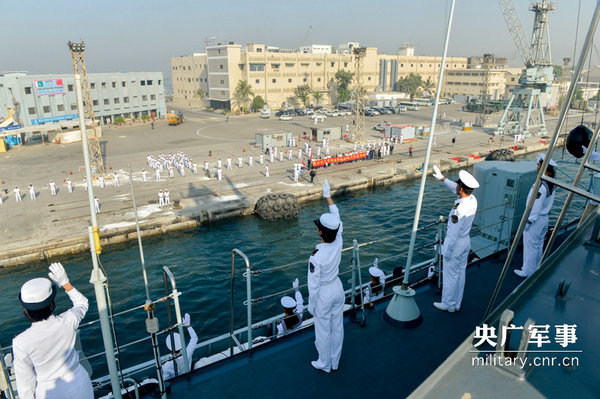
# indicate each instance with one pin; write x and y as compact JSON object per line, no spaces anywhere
{"x":168,"y":368}
{"x":537,"y":223}
{"x":45,"y":360}
{"x":457,"y":244}
{"x":375,"y":289}
{"x":325,"y":290}
{"x":52,"y":187}
{"x":144,"y":175}
{"x":69,"y":186}
{"x":293,"y":309}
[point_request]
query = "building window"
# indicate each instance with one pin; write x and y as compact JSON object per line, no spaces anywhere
{"x":116,"y":100}
{"x":189,"y":67}
{"x":143,"y":82}
{"x":332,"y":64}
{"x":290,"y":80}
{"x":28,"y":90}
{"x":257,"y":67}
{"x":222,"y":82}
{"x":94,"y":103}
{"x":92,"y":85}
{"x":430,"y":65}
{"x":126,"y":100}
{"x":106,"y":101}
{"x":304,"y":80}
{"x":31,"y":110}
{"x":318,"y":79}
{"x":114,"y":85}
{"x":222,"y":93}
{"x":274,"y":80}
{"x":46,"y":109}
{"x":412,"y":65}
{"x":152,"y":97}
{"x":290,"y":64}
{"x":149,"y":82}
{"x":61,"y":107}
{"x":104,"y":85}
{"x":304,"y":64}
{"x":189,"y":80}
{"x":133,"y":82}
{"x":123,"y":84}
{"x":144,"y":98}
{"x":369,"y":78}
{"x":259,"y":50}
{"x":220,"y":66}
{"x":257,"y":81}
{"x":159,"y":82}
{"x":421,"y":65}
{"x":319,"y":63}
{"x":345,"y":64}
{"x":401,"y":65}
{"x":73,"y":107}
{"x":70,"y":87}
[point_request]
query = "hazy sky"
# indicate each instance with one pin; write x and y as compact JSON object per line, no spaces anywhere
{"x":138,"y":35}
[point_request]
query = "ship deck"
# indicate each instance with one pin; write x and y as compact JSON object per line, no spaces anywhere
{"x":377,"y":360}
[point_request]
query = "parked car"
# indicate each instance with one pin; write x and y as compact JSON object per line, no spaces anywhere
{"x":309,"y":111}
{"x":390,"y":110}
{"x":370,"y":112}
{"x":379,"y":127}
{"x":401,"y":108}
{"x":285,"y":117}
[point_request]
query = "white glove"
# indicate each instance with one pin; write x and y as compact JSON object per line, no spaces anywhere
{"x":295,"y":284}
{"x":58,"y":274}
{"x":186,"y":320}
{"x":326,"y":189}
{"x":584,"y":149}
{"x":437,"y":173}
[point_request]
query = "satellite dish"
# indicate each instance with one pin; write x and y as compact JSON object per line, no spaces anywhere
{"x":580,"y":136}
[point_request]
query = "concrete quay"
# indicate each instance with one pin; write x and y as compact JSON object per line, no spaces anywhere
{"x":49,"y":227}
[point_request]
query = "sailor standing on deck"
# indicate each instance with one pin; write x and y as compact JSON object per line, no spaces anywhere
{"x":325,"y":290}
{"x":45,"y":360}
{"x":537,"y":223}
{"x":168,"y":368}
{"x":375,"y":289}
{"x":52,"y":187}
{"x":293,"y":309}
{"x":457,"y":243}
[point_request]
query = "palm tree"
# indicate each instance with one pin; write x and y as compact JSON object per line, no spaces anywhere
{"x":428,"y":85}
{"x":242,"y":94}
{"x":317,"y":95}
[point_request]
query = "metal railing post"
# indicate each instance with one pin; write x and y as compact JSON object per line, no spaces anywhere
{"x":248,"y":295}
{"x":186,"y":361}
{"x":353,"y":295}
{"x":439,"y":252}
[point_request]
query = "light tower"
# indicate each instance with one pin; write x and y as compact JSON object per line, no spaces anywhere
{"x":358,"y":91}
{"x":488,"y":59}
{"x":96,"y":161}
{"x":538,"y":74}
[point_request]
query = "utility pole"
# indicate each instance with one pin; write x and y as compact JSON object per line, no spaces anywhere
{"x":96,"y":160}
{"x":359,"y":93}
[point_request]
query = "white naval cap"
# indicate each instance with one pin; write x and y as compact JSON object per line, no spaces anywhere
{"x":376,"y":272}
{"x":177,"y":340}
{"x":329,"y":221}
{"x":541,"y":156}
{"x":288,"y":302}
{"x":467,"y":179}
{"x":37,"y":293}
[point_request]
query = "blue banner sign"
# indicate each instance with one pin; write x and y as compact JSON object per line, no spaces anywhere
{"x":54,"y":119}
{"x":11,"y":127}
{"x":49,"y":87}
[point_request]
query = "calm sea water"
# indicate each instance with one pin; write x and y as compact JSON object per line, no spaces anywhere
{"x":201,"y":262}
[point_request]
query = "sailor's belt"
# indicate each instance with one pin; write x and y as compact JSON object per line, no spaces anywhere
{"x":329,"y":282}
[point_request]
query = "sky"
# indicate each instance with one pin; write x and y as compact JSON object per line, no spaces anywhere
{"x":142,"y":35}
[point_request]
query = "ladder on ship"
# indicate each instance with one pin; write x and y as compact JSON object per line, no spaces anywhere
{"x":572,"y":187}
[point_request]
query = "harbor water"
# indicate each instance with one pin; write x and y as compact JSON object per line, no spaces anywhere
{"x":201,"y":260}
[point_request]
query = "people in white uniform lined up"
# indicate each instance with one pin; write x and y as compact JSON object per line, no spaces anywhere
{"x":537,"y":223}
{"x":45,"y":360}
{"x":176,"y":359}
{"x":457,"y":244}
{"x":293,"y":309}
{"x":325,"y":290}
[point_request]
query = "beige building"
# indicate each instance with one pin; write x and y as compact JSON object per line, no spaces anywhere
{"x":274,"y":73}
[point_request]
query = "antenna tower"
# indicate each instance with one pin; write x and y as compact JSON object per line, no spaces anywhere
{"x":359,"y":94}
{"x":488,"y":60}
{"x":96,"y":161}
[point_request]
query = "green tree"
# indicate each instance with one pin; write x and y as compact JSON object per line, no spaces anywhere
{"x":557,"y":70}
{"x":343,"y":79}
{"x":317,"y":95}
{"x":242,"y":94}
{"x":258,"y":103}
{"x":303,"y":93}
{"x":409,"y":84}
{"x":200,"y":94}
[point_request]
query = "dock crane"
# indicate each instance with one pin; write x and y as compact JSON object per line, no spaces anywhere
{"x":537,"y":77}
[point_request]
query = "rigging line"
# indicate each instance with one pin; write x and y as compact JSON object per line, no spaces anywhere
{"x":574,"y":54}
{"x":587,"y":81}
